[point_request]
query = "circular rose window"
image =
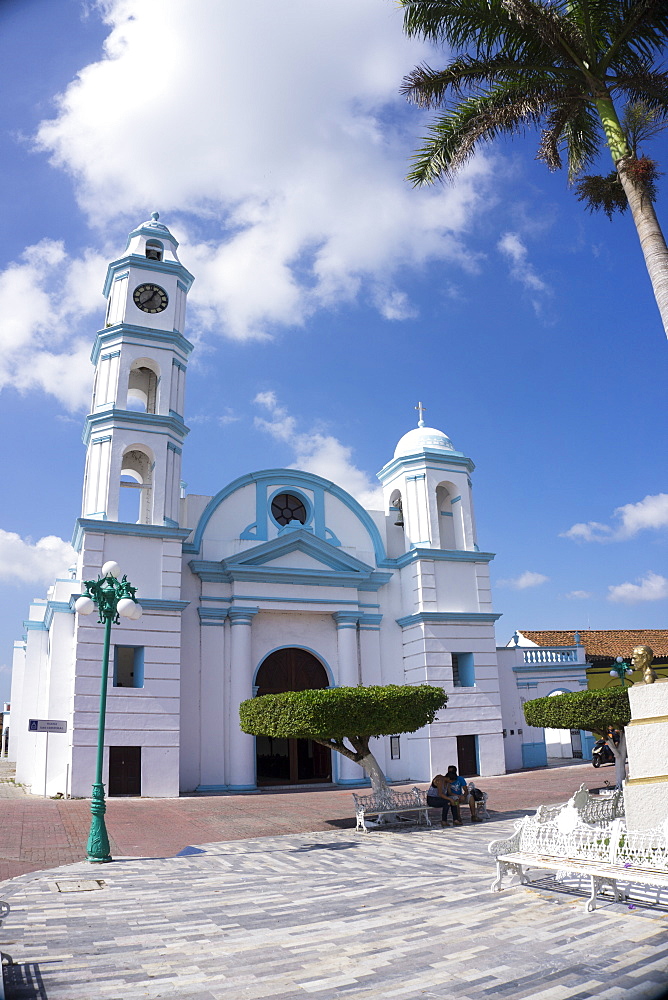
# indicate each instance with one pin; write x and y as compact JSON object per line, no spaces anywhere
{"x":286,"y":507}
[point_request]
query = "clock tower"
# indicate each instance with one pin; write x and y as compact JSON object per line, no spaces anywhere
{"x":135,"y":431}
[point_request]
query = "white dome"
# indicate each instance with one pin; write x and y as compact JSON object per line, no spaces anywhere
{"x":423,"y":439}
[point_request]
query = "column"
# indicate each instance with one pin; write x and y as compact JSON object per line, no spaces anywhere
{"x":348,"y":676}
{"x":242,"y":746}
{"x":212,"y":712}
{"x":346,"y":640}
{"x":370,"y":649}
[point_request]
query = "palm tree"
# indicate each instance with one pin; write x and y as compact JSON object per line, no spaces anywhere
{"x":559,"y":65}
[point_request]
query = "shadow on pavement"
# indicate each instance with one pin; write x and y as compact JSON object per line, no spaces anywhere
{"x":23,"y":981}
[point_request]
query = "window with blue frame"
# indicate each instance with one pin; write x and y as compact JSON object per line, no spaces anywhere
{"x":129,"y":666}
{"x":463,"y":670}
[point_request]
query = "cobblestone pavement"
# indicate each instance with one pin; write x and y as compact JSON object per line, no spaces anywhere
{"x":38,"y":833}
{"x":402,"y":915}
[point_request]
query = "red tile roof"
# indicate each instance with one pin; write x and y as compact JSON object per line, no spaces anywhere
{"x":605,"y":642}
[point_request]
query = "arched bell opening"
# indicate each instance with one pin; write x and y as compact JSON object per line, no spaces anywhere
{"x":135,"y":504}
{"x":450,"y":525}
{"x":154,"y":250}
{"x":143,"y":387}
{"x":397,"y":509}
{"x":288,"y":761}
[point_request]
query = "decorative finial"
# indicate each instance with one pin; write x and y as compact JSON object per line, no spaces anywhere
{"x":155,"y":216}
{"x":420,"y":408}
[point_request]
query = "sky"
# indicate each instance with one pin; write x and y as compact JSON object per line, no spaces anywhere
{"x":330,"y":295}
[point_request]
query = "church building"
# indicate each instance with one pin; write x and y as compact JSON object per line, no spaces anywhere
{"x":281,"y":581}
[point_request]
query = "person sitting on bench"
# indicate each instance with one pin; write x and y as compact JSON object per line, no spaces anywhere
{"x":439,"y":797}
{"x":459,"y":790}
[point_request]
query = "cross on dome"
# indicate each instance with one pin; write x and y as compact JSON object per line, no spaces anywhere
{"x":420,"y":408}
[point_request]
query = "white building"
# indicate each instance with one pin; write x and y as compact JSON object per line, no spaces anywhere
{"x":280,"y":581}
{"x":528,"y":671}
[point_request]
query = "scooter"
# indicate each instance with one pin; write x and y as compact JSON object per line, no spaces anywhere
{"x":602,"y":754}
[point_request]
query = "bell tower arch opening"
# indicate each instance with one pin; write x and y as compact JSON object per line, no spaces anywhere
{"x":136,"y":494}
{"x":143,"y":384}
{"x":290,"y":761}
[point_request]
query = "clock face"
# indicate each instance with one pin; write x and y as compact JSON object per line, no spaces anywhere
{"x":150,"y":298}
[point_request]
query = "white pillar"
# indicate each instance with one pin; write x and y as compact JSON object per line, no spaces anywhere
{"x":370,"y":649}
{"x":348,"y":676}
{"x":212,"y":715}
{"x":346,"y":640}
{"x":242,"y":746}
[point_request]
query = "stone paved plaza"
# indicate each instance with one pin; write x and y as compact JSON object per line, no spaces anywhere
{"x":391,"y":914}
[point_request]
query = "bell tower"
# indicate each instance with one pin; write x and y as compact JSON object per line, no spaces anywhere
{"x":135,"y":431}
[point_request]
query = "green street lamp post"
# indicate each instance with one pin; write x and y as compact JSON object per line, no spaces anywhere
{"x":113,"y":599}
{"x":621,"y":669}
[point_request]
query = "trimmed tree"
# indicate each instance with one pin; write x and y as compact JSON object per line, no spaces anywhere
{"x":330,"y":716}
{"x":594,"y":711}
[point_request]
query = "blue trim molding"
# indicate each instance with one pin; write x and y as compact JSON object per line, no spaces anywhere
{"x":152,"y":423}
{"x":441,"y":460}
{"x":162,"y":604}
{"x":142,"y":335}
{"x":84,"y":524}
{"x":139,"y":263}
{"x":447,"y":618}
{"x":442,"y":555}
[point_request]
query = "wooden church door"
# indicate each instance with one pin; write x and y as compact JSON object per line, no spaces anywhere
{"x":283,"y":761}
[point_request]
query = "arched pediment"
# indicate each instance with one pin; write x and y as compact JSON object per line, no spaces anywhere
{"x":322,"y":510}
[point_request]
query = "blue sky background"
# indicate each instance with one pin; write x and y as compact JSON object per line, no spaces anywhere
{"x":329,"y":297}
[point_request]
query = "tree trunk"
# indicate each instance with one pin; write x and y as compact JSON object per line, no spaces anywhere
{"x":373,"y":769}
{"x":619,"y":754}
{"x":652,"y":241}
{"x":360,"y":755}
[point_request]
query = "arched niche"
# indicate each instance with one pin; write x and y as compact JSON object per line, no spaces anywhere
{"x":450,"y":521}
{"x":397,"y":509}
{"x":283,"y":761}
{"x":135,"y":505}
{"x":143,"y":383}
{"x":155,"y":250}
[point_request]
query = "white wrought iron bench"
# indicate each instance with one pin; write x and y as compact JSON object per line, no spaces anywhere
{"x":606,"y":854}
{"x":389,"y":804}
{"x":593,"y":809}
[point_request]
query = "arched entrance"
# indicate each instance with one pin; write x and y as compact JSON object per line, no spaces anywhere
{"x":282,"y":761}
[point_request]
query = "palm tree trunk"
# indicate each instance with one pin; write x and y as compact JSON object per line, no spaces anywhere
{"x":652,"y":240}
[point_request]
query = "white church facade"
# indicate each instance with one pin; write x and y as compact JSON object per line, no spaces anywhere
{"x":280,"y":581}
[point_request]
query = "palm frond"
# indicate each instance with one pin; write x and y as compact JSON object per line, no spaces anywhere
{"x":429,"y":88}
{"x":453,"y":137}
{"x":640,"y":123}
{"x":583,"y":137}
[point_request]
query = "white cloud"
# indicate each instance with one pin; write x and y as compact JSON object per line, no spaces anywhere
{"x":321,"y":454}
{"x":512,"y":247}
{"x":25,"y":561}
{"x":578,"y":595}
{"x":651,"y":587}
{"x":632,"y":518}
{"x":526,"y":579}
{"x":271,"y":137}
{"x":44,"y":297}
